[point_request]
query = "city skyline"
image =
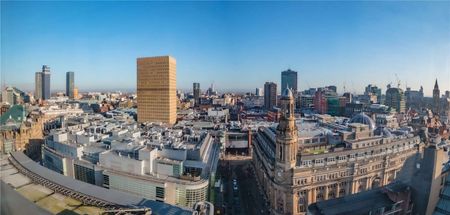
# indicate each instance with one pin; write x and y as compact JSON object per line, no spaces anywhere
{"x":218,"y":41}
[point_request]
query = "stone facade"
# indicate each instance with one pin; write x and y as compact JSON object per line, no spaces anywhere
{"x":294,"y":176}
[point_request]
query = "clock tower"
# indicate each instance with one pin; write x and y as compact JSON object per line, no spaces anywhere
{"x":286,"y":140}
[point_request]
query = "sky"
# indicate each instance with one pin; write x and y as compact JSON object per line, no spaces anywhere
{"x":235,"y":45}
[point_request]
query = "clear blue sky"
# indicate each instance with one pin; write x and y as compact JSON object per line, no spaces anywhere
{"x":238,"y":45}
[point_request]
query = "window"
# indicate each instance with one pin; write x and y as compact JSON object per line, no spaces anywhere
{"x":281,"y":152}
{"x":106,"y":181}
{"x":319,"y":161}
{"x":160,"y":192}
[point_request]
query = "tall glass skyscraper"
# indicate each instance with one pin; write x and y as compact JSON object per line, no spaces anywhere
{"x":289,"y":80}
{"x":70,"y":85}
{"x":196,"y":91}
{"x":42,"y":83}
{"x":45,"y":82}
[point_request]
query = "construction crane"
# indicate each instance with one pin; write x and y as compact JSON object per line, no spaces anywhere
{"x":398,"y":80}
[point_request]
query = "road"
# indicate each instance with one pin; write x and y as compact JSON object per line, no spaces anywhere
{"x":248,"y":198}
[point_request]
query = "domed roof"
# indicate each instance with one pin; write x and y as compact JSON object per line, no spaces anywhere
{"x":287,"y":93}
{"x":363,"y":119}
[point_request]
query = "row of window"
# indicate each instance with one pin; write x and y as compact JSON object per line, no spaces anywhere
{"x":350,"y":156}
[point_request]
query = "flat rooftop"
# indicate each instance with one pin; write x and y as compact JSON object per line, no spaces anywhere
{"x":111,"y":196}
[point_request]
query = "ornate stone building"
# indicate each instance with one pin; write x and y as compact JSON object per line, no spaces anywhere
{"x":297,"y":169}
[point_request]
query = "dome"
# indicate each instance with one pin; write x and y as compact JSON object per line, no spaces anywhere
{"x":363,"y":119}
{"x":287,"y":93}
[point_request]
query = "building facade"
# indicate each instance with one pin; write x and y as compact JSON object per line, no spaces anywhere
{"x":373,"y":90}
{"x":258,"y":92}
{"x":320,"y":102}
{"x":156,"y":89}
{"x":38,"y":85}
{"x":45,"y":82}
{"x":196,"y":92}
{"x":70,"y":84}
{"x":296,"y":170}
{"x":75,"y":93}
{"x":289,"y":80}
{"x":414,"y":98}
{"x":395,"y":98}
{"x":270,"y":95}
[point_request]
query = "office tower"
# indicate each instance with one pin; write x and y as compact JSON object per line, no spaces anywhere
{"x":38,"y":85}
{"x":395,"y":99}
{"x":270,"y":95}
{"x":45,"y":82}
{"x":156,"y":89}
{"x":374,"y":90}
{"x":70,"y":84}
{"x":196,"y":91}
{"x":258,"y":92}
{"x":436,"y":97}
{"x":289,"y":80}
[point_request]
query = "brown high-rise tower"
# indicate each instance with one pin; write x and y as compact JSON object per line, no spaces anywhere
{"x":156,"y":89}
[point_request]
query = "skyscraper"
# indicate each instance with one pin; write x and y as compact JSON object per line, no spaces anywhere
{"x":395,"y":98}
{"x":70,"y":84}
{"x":436,"y":98}
{"x":270,"y":95}
{"x":289,"y":80}
{"x":45,"y":82}
{"x":196,"y":91}
{"x":156,"y":89}
{"x":38,"y":85}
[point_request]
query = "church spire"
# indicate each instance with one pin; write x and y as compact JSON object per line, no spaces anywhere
{"x":436,"y":86}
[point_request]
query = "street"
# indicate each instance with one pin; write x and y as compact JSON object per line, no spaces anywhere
{"x":242,"y":196}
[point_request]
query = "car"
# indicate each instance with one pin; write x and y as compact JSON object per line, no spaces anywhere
{"x":235,"y":187}
{"x":234,"y":182}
